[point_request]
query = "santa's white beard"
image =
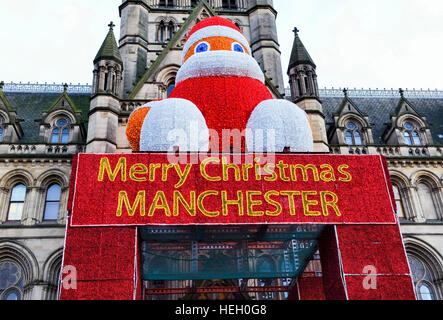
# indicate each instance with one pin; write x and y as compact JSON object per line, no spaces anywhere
{"x":220,"y":63}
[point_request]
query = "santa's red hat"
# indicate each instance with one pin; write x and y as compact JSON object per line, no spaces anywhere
{"x":215,"y":27}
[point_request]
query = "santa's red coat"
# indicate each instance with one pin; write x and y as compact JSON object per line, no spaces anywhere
{"x":225,"y":102}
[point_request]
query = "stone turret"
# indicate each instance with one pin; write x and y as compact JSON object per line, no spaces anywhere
{"x":304,"y":91}
{"x":105,"y":103}
{"x":108,"y":66}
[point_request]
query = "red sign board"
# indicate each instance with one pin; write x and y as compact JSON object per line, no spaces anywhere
{"x":153,"y":189}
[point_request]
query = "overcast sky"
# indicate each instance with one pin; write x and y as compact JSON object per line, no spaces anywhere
{"x":355,"y":43}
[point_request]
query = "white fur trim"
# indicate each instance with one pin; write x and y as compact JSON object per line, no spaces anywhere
{"x":215,"y":31}
{"x":220,"y":63}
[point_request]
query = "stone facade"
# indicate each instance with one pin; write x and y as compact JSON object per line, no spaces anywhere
{"x":39,"y":132}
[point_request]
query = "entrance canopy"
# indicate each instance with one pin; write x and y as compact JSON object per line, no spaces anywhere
{"x":234,"y":252}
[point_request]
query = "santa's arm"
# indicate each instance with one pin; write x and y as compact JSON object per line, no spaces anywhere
{"x":135,"y":123}
{"x":276,"y":125}
{"x":167,"y":124}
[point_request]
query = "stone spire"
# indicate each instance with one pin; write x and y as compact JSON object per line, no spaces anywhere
{"x":109,"y":49}
{"x":304,"y":91}
{"x":299,"y":54}
{"x":108,"y":66}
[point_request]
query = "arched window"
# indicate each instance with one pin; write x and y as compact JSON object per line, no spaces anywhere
{"x":410,"y":133}
{"x":11,"y":281}
{"x":398,"y":202}
{"x":423,"y":279}
{"x":17,"y":203}
{"x":52,"y":203}
{"x":171,"y":30}
{"x":2,"y":122}
{"x":353,"y":136}
{"x":161,"y":31}
{"x":60,"y":132}
{"x":427,"y":201}
{"x":171,"y":86}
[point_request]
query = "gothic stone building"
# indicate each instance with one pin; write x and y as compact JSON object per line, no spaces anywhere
{"x":42,"y":126}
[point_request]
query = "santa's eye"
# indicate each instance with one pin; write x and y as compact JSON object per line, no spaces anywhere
{"x":237,"y":47}
{"x":202,"y":47}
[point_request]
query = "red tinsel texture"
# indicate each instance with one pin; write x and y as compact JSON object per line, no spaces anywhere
{"x":104,"y":261}
{"x":392,"y":287}
{"x":311,"y":288}
{"x":378,"y":246}
{"x":225,"y":102}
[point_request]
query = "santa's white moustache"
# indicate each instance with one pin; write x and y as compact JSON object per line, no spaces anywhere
{"x":220,"y":63}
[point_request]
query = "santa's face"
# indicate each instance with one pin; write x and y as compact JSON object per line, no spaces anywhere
{"x":215,"y":44}
{"x":218,"y":56}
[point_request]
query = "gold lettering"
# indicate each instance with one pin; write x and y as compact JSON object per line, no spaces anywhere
{"x":136,"y":170}
{"x":238,"y":203}
{"x":182,"y":175}
{"x":152,"y":168}
{"x":251,"y":203}
{"x":165,"y":169}
{"x":246,"y":168}
{"x":327,"y":175}
{"x":291,"y":195}
{"x":332,"y":203}
{"x":281,"y":167}
{"x":112,"y":174}
{"x":190,"y":207}
{"x":159,"y":202}
{"x":274,"y":203}
{"x":140,"y":200}
{"x":203,"y":169}
{"x":307,"y":203}
{"x":201,"y":207}
{"x":348,"y":177}
{"x":304,"y":170}
{"x":269,"y":169}
{"x":227,"y":167}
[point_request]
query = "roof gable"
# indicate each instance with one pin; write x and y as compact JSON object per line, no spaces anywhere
{"x":348,"y":106}
{"x":63,"y":102}
{"x":404,"y":106}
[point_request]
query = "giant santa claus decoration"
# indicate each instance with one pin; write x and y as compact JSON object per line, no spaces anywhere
{"x":219,"y":90}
